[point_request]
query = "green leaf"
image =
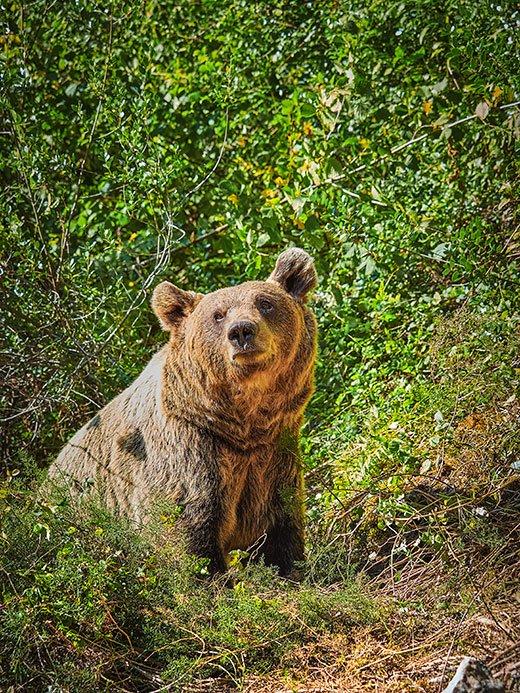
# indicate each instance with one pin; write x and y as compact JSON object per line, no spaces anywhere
{"x":307,"y":110}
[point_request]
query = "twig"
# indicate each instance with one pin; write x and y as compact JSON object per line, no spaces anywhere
{"x":217,"y":162}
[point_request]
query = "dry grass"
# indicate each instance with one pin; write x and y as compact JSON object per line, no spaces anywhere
{"x":414,"y":652}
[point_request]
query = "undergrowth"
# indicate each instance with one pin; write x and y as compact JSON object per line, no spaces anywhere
{"x":89,"y":602}
{"x":436,"y":463}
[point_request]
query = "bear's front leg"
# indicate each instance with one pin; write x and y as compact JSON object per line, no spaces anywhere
{"x":201,"y":520}
{"x":284,"y":545}
{"x":201,"y":498}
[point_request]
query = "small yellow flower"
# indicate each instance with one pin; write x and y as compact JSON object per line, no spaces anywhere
{"x":427,"y":107}
{"x":132,"y":237}
{"x":497,"y":93}
{"x":364,"y":143}
{"x":131,"y":284}
{"x":279,"y":181}
{"x":268,"y":193}
{"x":241,"y":141}
{"x":233,"y":198}
{"x":245,"y":165}
{"x":307,"y":129}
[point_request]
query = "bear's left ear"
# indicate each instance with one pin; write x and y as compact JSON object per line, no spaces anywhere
{"x":295,"y":272}
{"x":172,"y":305}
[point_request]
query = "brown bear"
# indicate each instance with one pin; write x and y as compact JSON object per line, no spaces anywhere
{"x":213,"y":421}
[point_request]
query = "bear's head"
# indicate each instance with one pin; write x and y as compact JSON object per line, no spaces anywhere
{"x":241,"y":331}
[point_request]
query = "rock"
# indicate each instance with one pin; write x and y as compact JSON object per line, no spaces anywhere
{"x":473,"y":676}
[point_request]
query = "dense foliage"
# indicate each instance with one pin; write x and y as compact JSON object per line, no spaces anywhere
{"x":195,"y":140}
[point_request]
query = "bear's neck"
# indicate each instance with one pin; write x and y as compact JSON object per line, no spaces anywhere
{"x":244,"y":414}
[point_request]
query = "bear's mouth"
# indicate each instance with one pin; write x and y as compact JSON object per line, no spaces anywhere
{"x":250,"y":356}
{"x":248,"y":352}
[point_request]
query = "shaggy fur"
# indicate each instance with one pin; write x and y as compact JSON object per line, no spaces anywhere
{"x":213,"y":421}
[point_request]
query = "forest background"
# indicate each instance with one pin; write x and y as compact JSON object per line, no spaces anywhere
{"x":193,"y":141}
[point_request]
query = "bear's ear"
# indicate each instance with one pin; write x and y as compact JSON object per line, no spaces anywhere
{"x":172,"y":305}
{"x":295,"y":272}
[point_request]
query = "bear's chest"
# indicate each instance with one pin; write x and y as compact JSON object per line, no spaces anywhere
{"x":247,"y":486}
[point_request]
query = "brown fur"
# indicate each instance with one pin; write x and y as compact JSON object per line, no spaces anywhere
{"x":213,"y":421}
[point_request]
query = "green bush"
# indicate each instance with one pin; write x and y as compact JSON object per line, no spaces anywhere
{"x":89,"y":602}
{"x":195,"y":141}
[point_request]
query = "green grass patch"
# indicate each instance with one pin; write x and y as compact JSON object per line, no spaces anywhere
{"x":88,"y":601}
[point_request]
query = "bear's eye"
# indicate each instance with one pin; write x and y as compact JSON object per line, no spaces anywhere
{"x":218,"y":316}
{"x":265,"y":306}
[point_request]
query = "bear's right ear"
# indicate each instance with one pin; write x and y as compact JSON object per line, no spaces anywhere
{"x":172,"y":305}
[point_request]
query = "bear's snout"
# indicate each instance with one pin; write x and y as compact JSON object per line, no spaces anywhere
{"x":242,"y":333}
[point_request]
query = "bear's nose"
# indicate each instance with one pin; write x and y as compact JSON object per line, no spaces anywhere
{"x":242,"y":333}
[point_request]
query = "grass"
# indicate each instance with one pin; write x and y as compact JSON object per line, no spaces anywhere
{"x":89,"y":600}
